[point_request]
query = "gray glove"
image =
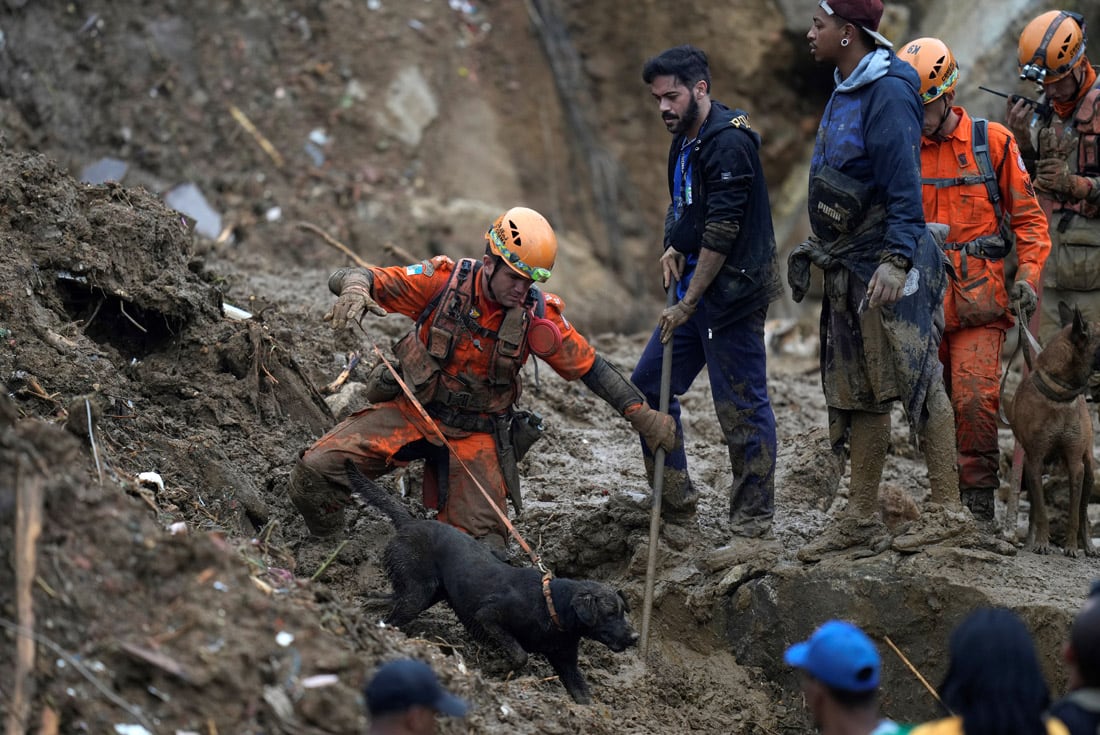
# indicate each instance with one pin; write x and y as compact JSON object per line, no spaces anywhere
{"x":798,"y":270}
{"x":1023,"y":300}
{"x":886,"y":284}
{"x":354,"y":301}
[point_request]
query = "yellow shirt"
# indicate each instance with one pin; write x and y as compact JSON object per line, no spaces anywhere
{"x":953,"y":726}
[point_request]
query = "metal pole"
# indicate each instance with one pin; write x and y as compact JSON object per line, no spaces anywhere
{"x":658,"y":485}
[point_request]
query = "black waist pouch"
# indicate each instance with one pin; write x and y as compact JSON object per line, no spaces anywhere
{"x":837,"y":203}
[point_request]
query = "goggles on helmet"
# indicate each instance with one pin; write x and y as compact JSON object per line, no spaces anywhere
{"x":943,"y":87}
{"x":1036,"y":71}
{"x":539,"y":275}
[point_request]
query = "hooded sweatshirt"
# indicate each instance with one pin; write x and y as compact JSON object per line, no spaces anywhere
{"x":870,"y":132}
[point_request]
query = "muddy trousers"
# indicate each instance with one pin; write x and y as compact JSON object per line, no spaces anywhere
{"x":385,"y":436}
{"x":971,"y":360}
{"x":868,"y":437}
{"x":735,"y":358}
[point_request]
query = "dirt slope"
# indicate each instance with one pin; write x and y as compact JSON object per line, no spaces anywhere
{"x":200,"y":605}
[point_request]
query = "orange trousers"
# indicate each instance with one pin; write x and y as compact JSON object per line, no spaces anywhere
{"x":971,"y":360}
{"x":385,"y":436}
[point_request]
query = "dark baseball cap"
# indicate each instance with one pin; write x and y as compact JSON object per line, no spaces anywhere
{"x":838,"y":654}
{"x":864,"y":13}
{"x":399,"y":685}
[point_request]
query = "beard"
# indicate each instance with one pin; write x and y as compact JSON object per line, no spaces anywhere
{"x":678,"y":126}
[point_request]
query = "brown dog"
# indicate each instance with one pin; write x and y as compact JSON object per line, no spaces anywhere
{"x":1050,"y":420}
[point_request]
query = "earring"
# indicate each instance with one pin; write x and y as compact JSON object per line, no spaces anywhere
{"x":844,"y":41}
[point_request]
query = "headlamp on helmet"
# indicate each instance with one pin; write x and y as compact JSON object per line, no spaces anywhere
{"x":1051,"y":45}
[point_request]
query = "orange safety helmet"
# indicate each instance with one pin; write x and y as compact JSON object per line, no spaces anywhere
{"x":935,"y":65}
{"x":1051,"y":45}
{"x":526,"y":242}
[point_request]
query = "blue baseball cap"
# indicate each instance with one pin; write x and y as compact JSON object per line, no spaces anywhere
{"x":399,"y":685}
{"x":840,"y":655}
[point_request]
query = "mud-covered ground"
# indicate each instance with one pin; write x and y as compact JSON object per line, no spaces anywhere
{"x":203,"y":606}
{"x":193,"y":601}
{"x":164,"y":606}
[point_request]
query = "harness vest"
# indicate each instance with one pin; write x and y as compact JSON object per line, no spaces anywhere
{"x":995,"y":245}
{"x":465,"y":401}
{"x":1086,"y":123}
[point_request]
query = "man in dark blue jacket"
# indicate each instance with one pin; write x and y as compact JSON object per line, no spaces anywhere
{"x":720,"y":257}
{"x":884,"y":278}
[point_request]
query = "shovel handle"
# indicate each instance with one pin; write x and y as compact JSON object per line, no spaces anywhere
{"x":658,"y":486}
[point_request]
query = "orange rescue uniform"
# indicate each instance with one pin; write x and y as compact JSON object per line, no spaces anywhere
{"x":976,"y":305}
{"x":391,"y":434}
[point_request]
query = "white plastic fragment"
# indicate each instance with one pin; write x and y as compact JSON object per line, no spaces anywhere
{"x":104,"y":170}
{"x":177,"y":528}
{"x":151,"y":478}
{"x":320,"y":680}
{"x":234,"y":312}
{"x":187,"y":199}
{"x":284,"y":638}
{"x":131,"y":730}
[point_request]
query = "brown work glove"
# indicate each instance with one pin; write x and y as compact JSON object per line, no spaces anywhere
{"x":1053,"y":175}
{"x":354,"y":301}
{"x":656,"y":428}
{"x":1023,"y":300}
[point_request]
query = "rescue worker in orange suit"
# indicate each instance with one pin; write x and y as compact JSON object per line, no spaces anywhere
{"x":974,"y":181}
{"x":1064,"y":150}
{"x":477,"y":323}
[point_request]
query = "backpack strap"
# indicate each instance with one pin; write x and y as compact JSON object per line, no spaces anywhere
{"x":980,"y":142}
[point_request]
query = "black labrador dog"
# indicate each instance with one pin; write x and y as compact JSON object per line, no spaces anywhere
{"x":428,"y":562}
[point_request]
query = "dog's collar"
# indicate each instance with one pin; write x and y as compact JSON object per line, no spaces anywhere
{"x":1055,"y":389}
{"x":550,"y":601}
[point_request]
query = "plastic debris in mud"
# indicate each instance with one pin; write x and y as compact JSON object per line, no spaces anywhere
{"x":153,"y":479}
{"x":122,"y":729}
{"x":104,"y":170}
{"x":233,"y":312}
{"x":315,"y":146}
{"x":188,"y":200}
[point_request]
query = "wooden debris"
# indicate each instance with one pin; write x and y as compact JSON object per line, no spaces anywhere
{"x":162,"y":662}
{"x":334,"y":243}
{"x":400,"y":253}
{"x":28,"y":526}
{"x":334,"y":386}
{"x":263,"y":142}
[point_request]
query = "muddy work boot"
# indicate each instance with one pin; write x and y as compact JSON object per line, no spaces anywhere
{"x":937,"y":524}
{"x":678,"y":495}
{"x":937,"y":439}
{"x":743,"y":525}
{"x":320,"y":501}
{"x":980,"y":502}
{"x":848,"y":532}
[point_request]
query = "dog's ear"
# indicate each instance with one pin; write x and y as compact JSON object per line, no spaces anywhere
{"x":586,"y":607}
{"x":1065,"y":314}
{"x":1080,"y":333}
{"x":626,"y":604}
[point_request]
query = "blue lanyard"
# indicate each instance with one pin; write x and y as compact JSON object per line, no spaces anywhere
{"x":682,"y":185}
